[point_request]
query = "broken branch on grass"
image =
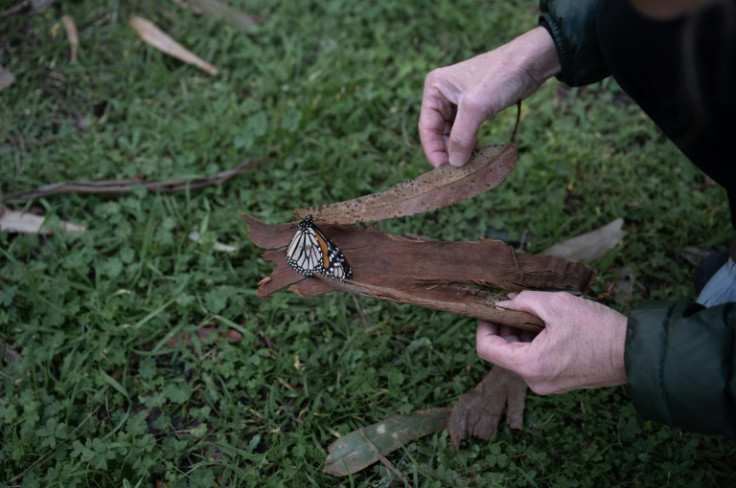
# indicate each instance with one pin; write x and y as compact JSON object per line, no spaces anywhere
{"x":119,"y":187}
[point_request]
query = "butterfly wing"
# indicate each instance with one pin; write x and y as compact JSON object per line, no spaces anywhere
{"x":334,"y":264}
{"x":304,"y":253}
{"x":310,"y":252}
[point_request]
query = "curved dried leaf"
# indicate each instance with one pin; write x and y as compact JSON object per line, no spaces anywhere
{"x":440,"y":187}
{"x":592,"y":245}
{"x":152,"y":35}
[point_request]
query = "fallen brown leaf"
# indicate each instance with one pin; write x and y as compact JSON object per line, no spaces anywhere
{"x":440,"y":187}
{"x":152,"y":35}
{"x":590,"y":246}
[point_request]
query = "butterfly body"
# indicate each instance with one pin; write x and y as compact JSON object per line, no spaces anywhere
{"x":311,"y":252}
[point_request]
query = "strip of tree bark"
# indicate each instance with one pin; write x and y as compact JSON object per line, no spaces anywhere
{"x":439,"y":275}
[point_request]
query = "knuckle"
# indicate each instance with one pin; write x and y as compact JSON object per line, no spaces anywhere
{"x":433,"y":78}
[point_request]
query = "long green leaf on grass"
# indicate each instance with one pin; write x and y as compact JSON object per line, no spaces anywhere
{"x":363,"y":447}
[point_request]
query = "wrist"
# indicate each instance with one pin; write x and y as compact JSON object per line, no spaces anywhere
{"x":618,"y":345}
{"x":536,"y":54}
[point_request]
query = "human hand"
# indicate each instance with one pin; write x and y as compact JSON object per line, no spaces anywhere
{"x":458,"y":98}
{"x":582,"y":345}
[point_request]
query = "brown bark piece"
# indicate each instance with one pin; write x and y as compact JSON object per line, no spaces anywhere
{"x":433,"y":274}
{"x":478,"y":412}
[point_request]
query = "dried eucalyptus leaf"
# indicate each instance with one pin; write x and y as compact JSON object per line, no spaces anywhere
{"x":590,"y":246}
{"x":440,"y":187}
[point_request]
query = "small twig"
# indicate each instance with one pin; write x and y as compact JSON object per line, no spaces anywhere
{"x":518,"y":119}
{"x":389,"y":465}
{"x":117,"y":187}
{"x":15,"y":8}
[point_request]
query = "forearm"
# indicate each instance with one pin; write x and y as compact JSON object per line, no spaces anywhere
{"x":679,"y":361}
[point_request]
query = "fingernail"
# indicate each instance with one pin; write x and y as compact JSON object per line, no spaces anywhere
{"x":457,"y":159}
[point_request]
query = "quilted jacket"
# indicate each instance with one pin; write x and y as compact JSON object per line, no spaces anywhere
{"x":679,"y":356}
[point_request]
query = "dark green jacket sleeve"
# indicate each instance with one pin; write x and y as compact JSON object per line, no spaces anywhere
{"x":573,"y":26}
{"x":681,"y":365}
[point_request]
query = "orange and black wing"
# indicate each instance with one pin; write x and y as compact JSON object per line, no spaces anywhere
{"x":310,"y":252}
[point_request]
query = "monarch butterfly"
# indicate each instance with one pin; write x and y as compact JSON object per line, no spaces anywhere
{"x":310,"y":252}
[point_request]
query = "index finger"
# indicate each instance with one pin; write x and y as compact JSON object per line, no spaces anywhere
{"x":435,"y":123}
{"x":501,"y":351}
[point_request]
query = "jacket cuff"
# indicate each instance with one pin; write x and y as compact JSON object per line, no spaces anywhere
{"x":679,"y":360}
{"x":573,"y":27}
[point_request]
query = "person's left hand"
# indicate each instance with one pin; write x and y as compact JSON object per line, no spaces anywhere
{"x":582,"y":345}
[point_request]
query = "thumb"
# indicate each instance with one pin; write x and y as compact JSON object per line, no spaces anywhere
{"x":464,"y":133}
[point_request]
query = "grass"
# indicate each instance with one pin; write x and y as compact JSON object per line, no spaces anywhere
{"x":328,"y":94}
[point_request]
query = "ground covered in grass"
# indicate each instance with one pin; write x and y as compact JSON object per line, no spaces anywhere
{"x":107,"y":390}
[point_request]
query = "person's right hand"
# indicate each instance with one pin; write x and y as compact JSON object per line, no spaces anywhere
{"x":458,"y":98}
